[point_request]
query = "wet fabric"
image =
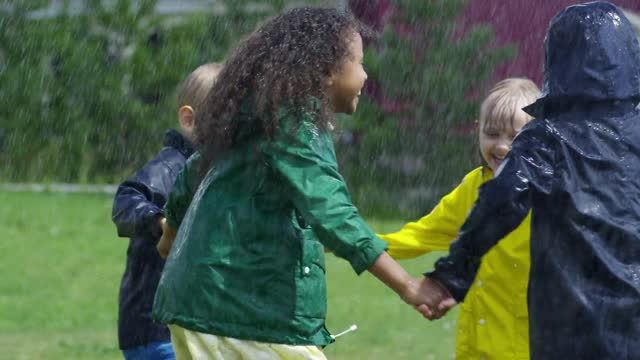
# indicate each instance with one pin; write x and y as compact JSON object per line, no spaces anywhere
{"x":248,"y":259}
{"x":136,"y":207}
{"x":577,"y":166}
{"x":194,"y":345}
{"x":493,"y":320}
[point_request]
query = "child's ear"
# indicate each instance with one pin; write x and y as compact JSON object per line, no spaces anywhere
{"x":329,"y":80}
{"x":185,"y":117}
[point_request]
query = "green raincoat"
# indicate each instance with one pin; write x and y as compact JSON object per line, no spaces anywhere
{"x":248,"y":260}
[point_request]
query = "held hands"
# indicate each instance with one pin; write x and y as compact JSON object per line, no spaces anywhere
{"x":428,"y":297}
{"x":166,"y":241}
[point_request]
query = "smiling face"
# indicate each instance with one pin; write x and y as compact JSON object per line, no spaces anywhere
{"x":501,"y":118}
{"x":346,"y":83}
{"x":496,"y":138}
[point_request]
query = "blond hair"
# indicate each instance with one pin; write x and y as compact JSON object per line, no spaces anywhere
{"x":505,"y":102}
{"x":194,"y":89}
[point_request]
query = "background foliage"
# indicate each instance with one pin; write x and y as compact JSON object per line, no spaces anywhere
{"x":86,"y":96}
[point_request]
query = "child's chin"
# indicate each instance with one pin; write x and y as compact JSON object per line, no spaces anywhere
{"x":354,"y":107}
{"x":348,"y":109}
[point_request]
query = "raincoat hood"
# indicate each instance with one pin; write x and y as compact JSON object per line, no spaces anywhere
{"x":588,"y":57}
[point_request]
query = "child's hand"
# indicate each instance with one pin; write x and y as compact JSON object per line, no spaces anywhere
{"x":162,"y":221}
{"x":167,"y":238}
{"x":431,"y":299}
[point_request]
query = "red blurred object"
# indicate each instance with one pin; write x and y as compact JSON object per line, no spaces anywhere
{"x":520,"y":22}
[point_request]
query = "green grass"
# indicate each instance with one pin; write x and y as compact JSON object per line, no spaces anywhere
{"x":61,"y":263}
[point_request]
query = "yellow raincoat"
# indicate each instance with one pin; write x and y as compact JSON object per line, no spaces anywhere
{"x":493,"y":321}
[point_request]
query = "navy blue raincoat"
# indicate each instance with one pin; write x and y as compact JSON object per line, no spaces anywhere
{"x":136,"y":207}
{"x":577,"y":167}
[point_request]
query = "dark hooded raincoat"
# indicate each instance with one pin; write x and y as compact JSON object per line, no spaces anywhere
{"x":577,"y":167}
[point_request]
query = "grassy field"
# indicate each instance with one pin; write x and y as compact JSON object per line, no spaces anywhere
{"x":61,"y":263}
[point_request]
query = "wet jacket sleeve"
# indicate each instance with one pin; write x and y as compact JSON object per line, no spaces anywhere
{"x":181,"y":194}
{"x":439,"y":228}
{"x":306,"y":162}
{"x":502,"y":205}
{"x":137,"y":204}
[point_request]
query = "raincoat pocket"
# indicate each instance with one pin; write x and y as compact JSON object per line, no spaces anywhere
{"x":311,"y":287}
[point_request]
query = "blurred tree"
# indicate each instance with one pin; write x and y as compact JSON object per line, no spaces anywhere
{"x":412,"y":136}
{"x":87,"y":97}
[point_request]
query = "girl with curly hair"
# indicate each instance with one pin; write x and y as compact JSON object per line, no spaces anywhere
{"x":262,"y":198}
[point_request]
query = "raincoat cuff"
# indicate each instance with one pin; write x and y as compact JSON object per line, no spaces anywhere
{"x":368,"y":253}
{"x":452,"y":276}
{"x":457,"y":292}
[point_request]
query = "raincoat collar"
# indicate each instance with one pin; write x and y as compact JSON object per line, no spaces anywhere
{"x":591,"y":54}
{"x":176,"y":140}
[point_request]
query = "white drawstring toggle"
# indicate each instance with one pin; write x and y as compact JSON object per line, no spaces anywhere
{"x":353,"y":327}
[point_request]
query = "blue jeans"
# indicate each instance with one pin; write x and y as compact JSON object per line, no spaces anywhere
{"x":160,"y":350}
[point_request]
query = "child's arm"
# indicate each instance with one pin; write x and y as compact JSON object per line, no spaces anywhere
{"x":137,"y":205}
{"x":166,"y":240}
{"x":436,"y":230}
{"x":305,"y":160}
{"x":177,"y":204}
{"x":182,"y":192}
{"x":502,"y":205}
{"x":424,"y":294}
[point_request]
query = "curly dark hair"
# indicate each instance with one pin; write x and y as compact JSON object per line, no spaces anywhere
{"x":287,"y":59}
